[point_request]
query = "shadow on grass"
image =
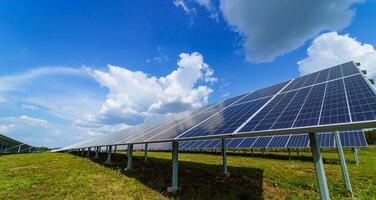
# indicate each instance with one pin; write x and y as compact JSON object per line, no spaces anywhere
{"x":198,"y":180}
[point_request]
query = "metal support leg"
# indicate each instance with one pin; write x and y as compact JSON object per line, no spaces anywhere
{"x":88,"y":152}
{"x":319,"y":167}
{"x":175,"y":152}
{"x":224,"y":156}
{"x":108,"y":161}
{"x":129,"y":155}
{"x":115,"y":148}
{"x":355,"y":154}
{"x":297,"y":152}
{"x":288,"y":149}
{"x":19,"y":149}
{"x":96,"y":153}
{"x":146,"y":152}
{"x":345,"y":174}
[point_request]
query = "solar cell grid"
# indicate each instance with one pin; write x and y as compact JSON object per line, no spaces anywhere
{"x":275,"y":112}
{"x":262,"y":142}
{"x":326,"y":139}
{"x":233,"y":143}
{"x":310,"y":112}
{"x":335,"y":72}
{"x":353,"y":139}
{"x":298,"y":141}
{"x":349,"y":69}
{"x":226,"y":121}
{"x":265,"y":92}
{"x":334,"y":109}
{"x":279,"y":141}
{"x":323,"y":76}
{"x":361,"y":98}
{"x":247,"y":143}
{"x":288,"y":116}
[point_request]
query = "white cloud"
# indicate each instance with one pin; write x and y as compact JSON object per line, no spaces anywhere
{"x":134,"y":96}
{"x":29,"y":107}
{"x":15,"y":82}
{"x":330,"y":49}
{"x":273,"y":28}
{"x":40,"y":132}
{"x":181,"y":4}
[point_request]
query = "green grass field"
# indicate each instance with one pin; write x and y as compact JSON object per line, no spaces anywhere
{"x":273,"y":176}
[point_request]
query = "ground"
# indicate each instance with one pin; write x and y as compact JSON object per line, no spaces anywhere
{"x":268,"y":176}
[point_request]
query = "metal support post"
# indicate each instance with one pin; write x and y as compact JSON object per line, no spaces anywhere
{"x":345,"y":174}
{"x":175,"y":153}
{"x":297,"y":152}
{"x":96,"y":153}
{"x":129,"y":155}
{"x":224,"y":156}
{"x":356,"y":157}
{"x":88,"y":152}
{"x":319,"y":167}
{"x":146,"y":152}
{"x":288,"y":149}
{"x":109,"y":148}
{"x":115,"y":148}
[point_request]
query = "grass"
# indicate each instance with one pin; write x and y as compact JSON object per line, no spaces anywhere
{"x":271,"y":176}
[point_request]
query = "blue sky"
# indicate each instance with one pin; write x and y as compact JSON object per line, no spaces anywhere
{"x":70,"y":70}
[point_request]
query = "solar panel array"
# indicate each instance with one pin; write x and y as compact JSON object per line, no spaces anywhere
{"x":324,"y":100}
{"x":349,"y":139}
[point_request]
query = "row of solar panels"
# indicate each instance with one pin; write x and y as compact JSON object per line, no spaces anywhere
{"x":10,"y":145}
{"x":349,"y":139}
{"x":325,"y":100}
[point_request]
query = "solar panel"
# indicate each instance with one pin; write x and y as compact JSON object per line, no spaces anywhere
{"x":325,"y":100}
{"x":353,"y":139}
{"x":262,"y":142}
{"x":326,"y":139}
{"x":298,"y":141}
{"x":279,"y":141}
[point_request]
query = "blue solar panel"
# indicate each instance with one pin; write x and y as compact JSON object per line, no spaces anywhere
{"x":326,"y":139}
{"x":349,"y":69}
{"x":335,"y":72}
{"x":279,"y":141}
{"x":262,"y":142}
{"x":265,"y":92}
{"x":323,"y":76}
{"x":228,"y":120}
{"x":288,"y":116}
{"x":298,"y":141}
{"x":353,"y":139}
{"x":362,"y":100}
{"x":213,"y":144}
{"x":233,"y":143}
{"x":335,"y":108}
{"x":247,"y":143}
{"x":310,"y":112}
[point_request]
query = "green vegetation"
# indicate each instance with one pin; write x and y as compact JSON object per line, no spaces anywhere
{"x":269,"y":176}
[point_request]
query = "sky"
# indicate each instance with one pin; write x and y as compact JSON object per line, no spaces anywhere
{"x":71,"y":70}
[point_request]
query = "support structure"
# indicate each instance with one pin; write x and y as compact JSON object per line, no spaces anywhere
{"x":356,"y":157}
{"x":319,"y":167}
{"x":175,"y":153}
{"x":108,"y":161}
{"x":88,"y":152}
{"x":146,"y":152}
{"x":96,"y":153}
{"x":19,"y":148}
{"x":129,"y":155}
{"x":345,"y":173}
{"x":288,"y":149}
{"x":224,"y":156}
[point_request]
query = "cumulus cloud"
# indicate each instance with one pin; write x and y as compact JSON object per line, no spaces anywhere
{"x":134,"y":95}
{"x":330,"y":49}
{"x":273,"y":28}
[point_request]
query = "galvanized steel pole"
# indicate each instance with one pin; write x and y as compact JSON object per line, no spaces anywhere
{"x":319,"y":166}
{"x":345,"y":174}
